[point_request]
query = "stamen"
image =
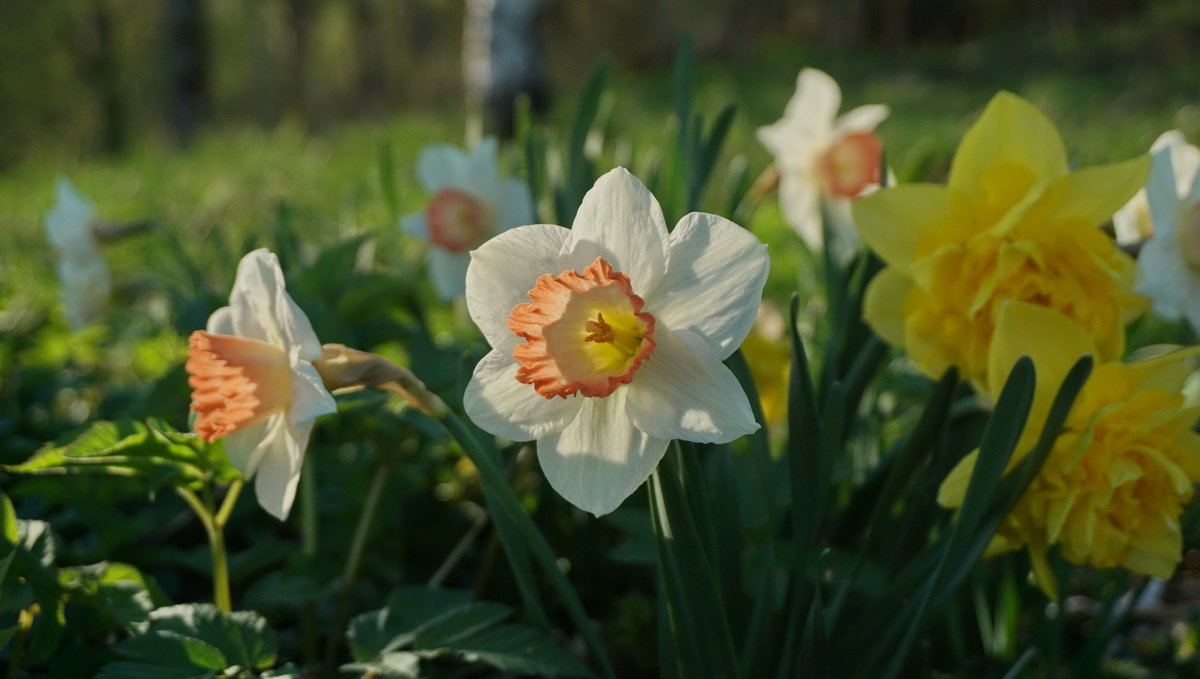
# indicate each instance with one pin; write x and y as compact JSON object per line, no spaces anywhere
{"x":599,"y":331}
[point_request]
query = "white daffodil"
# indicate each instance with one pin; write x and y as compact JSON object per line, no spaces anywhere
{"x":1133,"y":222}
{"x":607,"y":338}
{"x":253,"y":382}
{"x":471,"y":202}
{"x":82,"y":270}
{"x":824,"y":160}
{"x":1168,"y":266}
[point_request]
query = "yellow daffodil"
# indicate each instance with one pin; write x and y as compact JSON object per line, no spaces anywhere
{"x":1112,"y":489}
{"x":1011,"y":224}
{"x":768,"y":352}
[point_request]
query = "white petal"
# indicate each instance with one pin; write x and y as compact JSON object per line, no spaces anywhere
{"x":263,"y":310}
{"x":683,"y":391}
{"x":245,"y":447}
{"x":714,"y":281}
{"x":501,"y":405}
{"x":1162,"y":275}
{"x":443,"y":166}
{"x":449,"y":272}
{"x":817,"y":98}
{"x":800,"y":200}
{"x":221,"y":322}
{"x":600,"y":458}
{"x":69,"y":222}
{"x":862,"y":119}
{"x":1185,"y":159}
{"x":85,"y":284}
{"x":514,"y":206}
{"x":620,"y":220}
{"x":279,"y":473}
{"x":310,"y":398}
{"x":414,"y":225}
{"x":503,"y":271}
{"x":1160,"y":193}
{"x":843,"y":237}
{"x":1126,"y":221}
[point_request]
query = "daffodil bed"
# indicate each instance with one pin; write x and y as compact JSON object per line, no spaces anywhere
{"x":560,"y":410}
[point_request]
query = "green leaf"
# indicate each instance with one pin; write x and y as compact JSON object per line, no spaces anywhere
{"x":396,"y":625}
{"x":392,"y":665}
{"x":154,"y":452}
{"x":520,"y":649}
{"x":9,"y":535}
{"x":194,"y":640}
{"x":459,"y":623}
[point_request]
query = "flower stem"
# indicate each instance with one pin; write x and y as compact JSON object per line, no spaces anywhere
{"x":214,"y":527}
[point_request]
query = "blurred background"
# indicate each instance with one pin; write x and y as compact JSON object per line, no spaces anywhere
{"x":86,"y":77}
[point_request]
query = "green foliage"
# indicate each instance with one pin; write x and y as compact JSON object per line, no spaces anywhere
{"x":191,"y":641}
{"x":427,"y":624}
{"x":153,"y":452}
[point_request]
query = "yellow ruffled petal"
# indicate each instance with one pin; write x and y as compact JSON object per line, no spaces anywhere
{"x":1155,"y":555}
{"x":883,"y":305}
{"x":1093,"y":194}
{"x":1052,"y":340}
{"x":893,"y":221}
{"x":1010,"y":129}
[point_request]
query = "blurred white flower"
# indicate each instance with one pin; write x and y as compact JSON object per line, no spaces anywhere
{"x":471,"y":202}
{"x":607,"y":338}
{"x":1133,"y":222}
{"x":1168,"y":266}
{"x":824,"y":160}
{"x":82,"y":271}
{"x":253,"y":382}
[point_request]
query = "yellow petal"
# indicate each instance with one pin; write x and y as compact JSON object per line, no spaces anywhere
{"x":1010,"y":129}
{"x":883,"y":305}
{"x":1155,"y":555}
{"x":1167,"y":372}
{"x":892,"y":221}
{"x":954,"y":487}
{"x":1042,"y":572}
{"x":1052,"y":340}
{"x":1093,"y":194}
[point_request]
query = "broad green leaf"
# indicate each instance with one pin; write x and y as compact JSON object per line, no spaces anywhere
{"x":459,"y":623}
{"x":242,"y":636}
{"x":393,"y":665}
{"x":395,"y":626}
{"x":172,"y":649}
{"x":9,"y":535}
{"x":520,"y":649}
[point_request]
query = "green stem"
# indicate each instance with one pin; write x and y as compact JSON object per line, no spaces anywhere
{"x":494,"y":482}
{"x":308,"y":509}
{"x":216,"y":541}
{"x":363,"y":529}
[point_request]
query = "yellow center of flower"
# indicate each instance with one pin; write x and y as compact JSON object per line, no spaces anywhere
{"x":1188,"y":231}
{"x":236,"y":382}
{"x":584,"y":332}
{"x":852,"y":163}
{"x":457,"y":221}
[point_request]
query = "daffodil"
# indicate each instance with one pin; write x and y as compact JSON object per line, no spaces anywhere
{"x":82,"y":271}
{"x":1012,"y":224}
{"x":1168,"y":267}
{"x":470,"y":202}
{"x":1114,"y":485}
{"x":1134,"y":222}
{"x":824,"y":160}
{"x":607,"y":338}
{"x":253,"y":381}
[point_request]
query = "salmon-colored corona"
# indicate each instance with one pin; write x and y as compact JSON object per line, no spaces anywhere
{"x":584,"y":332}
{"x":236,"y":382}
